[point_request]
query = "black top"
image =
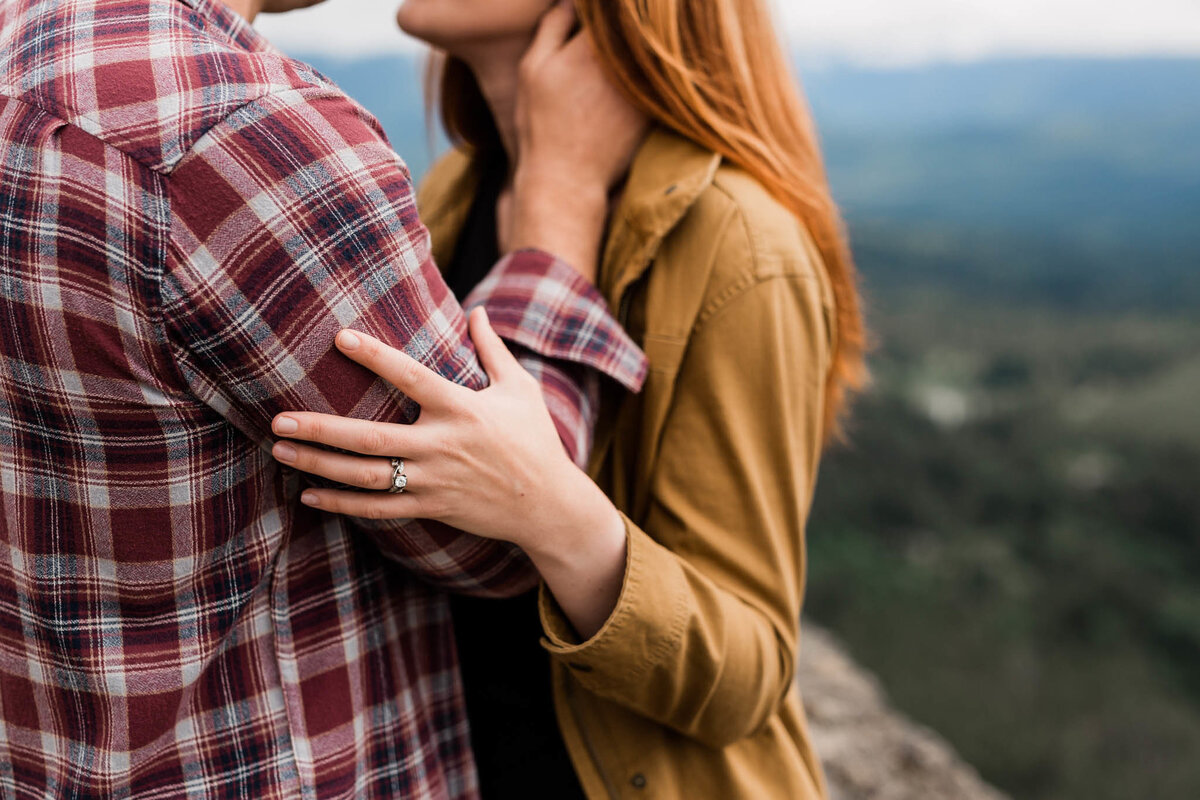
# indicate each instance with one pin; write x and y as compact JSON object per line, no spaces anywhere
{"x":506,"y":674}
{"x":478,"y":247}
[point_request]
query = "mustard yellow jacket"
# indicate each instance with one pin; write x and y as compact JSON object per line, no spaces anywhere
{"x":687,"y":691}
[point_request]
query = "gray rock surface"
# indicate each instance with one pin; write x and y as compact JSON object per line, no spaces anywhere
{"x":870,"y":751}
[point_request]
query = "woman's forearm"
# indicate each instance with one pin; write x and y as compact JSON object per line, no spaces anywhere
{"x":583,"y":559}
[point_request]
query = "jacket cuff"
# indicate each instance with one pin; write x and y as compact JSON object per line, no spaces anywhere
{"x":643,"y":630}
{"x":536,"y":300}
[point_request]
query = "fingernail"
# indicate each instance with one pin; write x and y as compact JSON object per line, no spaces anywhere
{"x":310,"y":499}
{"x":284,"y":452}
{"x":286,"y":425}
{"x":348,"y":341}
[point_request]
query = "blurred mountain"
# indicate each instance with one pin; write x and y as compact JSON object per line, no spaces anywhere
{"x":1072,"y":181}
{"x":1104,"y":152}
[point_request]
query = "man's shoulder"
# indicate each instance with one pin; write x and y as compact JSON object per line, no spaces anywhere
{"x":147,"y":77}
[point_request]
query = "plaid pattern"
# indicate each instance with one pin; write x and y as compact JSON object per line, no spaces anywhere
{"x":186,"y":219}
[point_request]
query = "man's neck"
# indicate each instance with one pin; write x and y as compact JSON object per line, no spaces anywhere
{"x":247,"y":9}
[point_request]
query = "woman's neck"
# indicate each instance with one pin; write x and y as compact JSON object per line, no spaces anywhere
{"x":246,"y":9}
{"x":495,"y":68}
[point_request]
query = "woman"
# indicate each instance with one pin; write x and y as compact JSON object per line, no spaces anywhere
{"x":672,"y":626}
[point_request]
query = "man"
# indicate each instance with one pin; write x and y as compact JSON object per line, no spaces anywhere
{"x":186,"y":219}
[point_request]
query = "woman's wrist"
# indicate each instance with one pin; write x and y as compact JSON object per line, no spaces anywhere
{"x":583,"y":560}
{"x":589,"y":530}
{"x":556,"y":211}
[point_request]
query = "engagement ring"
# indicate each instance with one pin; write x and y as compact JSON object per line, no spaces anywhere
{"x":399,"y":479}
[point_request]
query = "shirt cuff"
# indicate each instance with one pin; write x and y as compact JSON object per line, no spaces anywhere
{"x":643,"y":630}
{"x":536,"y":300}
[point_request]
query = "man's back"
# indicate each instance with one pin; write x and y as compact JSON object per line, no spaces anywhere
{"x":186,"y":219}
{"x":145,"y":557}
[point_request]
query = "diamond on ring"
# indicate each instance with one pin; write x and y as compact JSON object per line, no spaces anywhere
{"x":399,"y":479}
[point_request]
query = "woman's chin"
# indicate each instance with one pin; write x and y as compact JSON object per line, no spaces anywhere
{"x":419,"y":28}
{"x":418,"y":20}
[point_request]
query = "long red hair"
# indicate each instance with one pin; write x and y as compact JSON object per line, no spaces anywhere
{"x":713,"y":71}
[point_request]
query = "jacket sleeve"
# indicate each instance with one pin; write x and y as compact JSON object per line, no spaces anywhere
{"x":704,"y":635}
{"x":293,"y":218}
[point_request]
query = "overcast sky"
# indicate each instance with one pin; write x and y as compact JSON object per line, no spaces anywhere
{"x":878,"y":32}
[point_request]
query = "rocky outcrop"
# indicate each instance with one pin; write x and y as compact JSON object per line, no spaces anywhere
{"x":871,"y":752}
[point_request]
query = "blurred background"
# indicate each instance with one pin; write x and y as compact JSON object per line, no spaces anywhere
{"x":1012,"y":540}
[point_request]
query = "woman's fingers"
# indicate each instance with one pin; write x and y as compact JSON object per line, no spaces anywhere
{"x":365,"y":472}
{"x":356,"y":435}
{"x":552,"y":31}
{"x":401,"y":370}
{"x":498,"y":362}
{"x":580,"y":50}
{"x":367,"y":505}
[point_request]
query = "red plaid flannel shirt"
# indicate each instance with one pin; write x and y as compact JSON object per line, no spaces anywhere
{"x":186,"y":219}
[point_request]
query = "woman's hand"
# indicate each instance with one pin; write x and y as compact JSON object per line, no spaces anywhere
{"x":489,"y":463}
{"x":576,"y":136}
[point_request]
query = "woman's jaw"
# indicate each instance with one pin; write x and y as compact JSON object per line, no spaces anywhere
{"x":468,"y":28}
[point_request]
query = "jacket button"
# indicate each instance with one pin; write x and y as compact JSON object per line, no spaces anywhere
{"x":638,"y":781}
{"x":579,"y":666}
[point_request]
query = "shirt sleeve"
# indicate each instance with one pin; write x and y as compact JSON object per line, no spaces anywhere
{"x":293,"y":219}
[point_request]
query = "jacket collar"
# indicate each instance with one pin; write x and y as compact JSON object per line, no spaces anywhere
{"x":668,"y":174}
